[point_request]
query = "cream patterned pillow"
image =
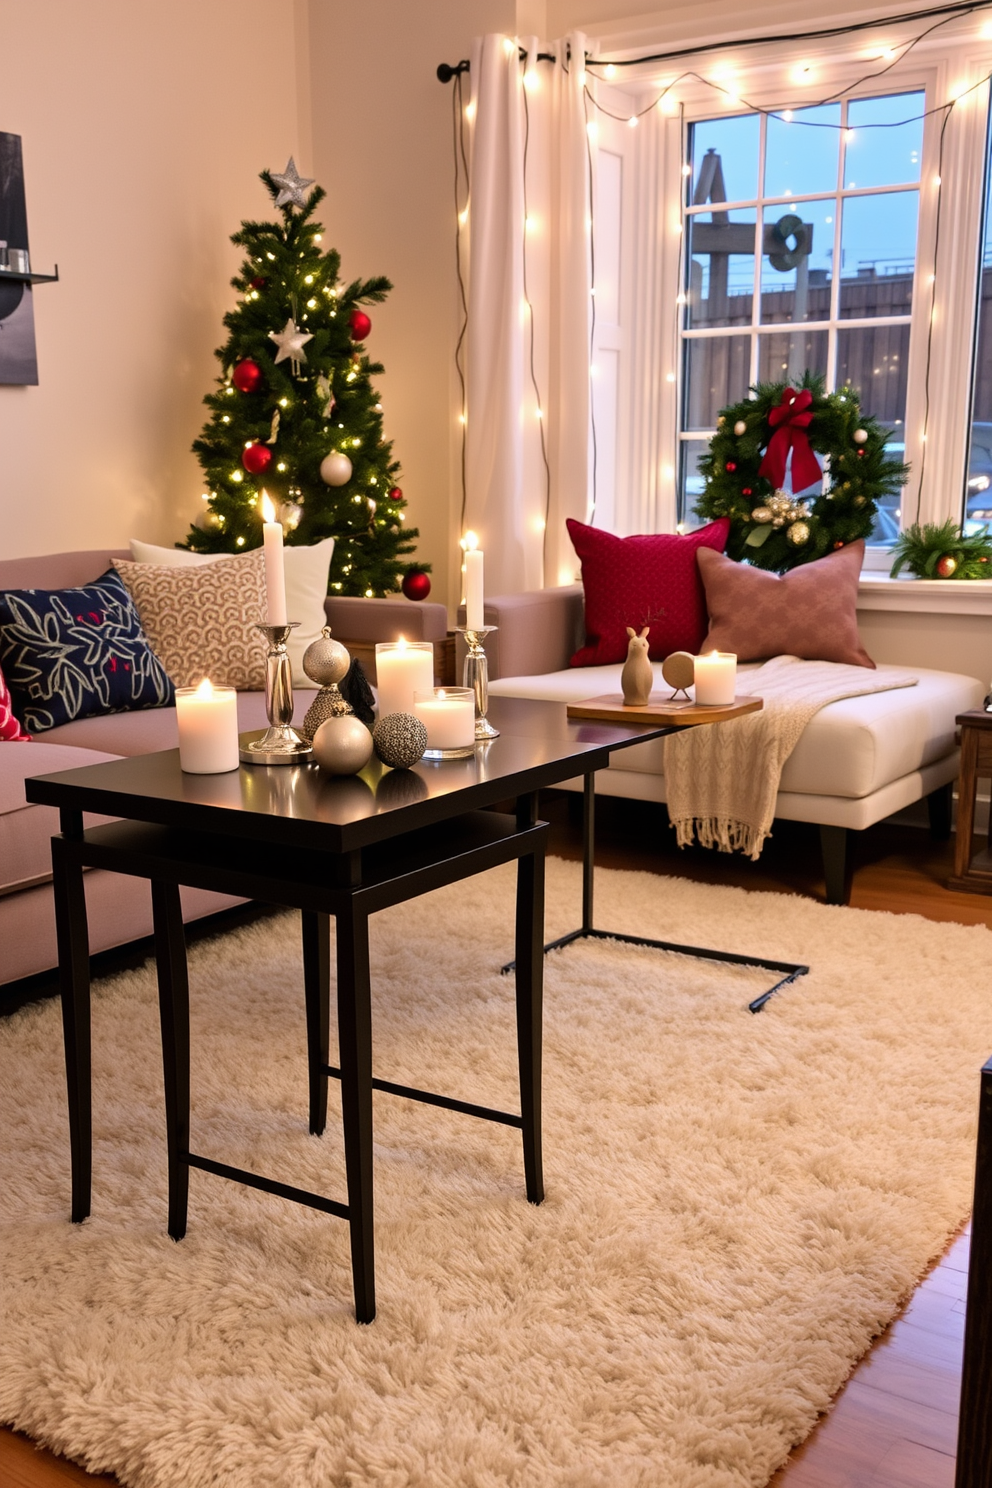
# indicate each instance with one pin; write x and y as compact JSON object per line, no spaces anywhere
{"x":201,"y":621}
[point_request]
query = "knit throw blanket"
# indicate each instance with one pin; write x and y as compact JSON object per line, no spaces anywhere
{"x":722,"y":778}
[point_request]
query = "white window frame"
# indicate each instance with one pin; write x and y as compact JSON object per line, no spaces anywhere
{"x":647,"y":435}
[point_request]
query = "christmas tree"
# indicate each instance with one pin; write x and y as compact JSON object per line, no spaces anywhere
{"x":295,"y":412}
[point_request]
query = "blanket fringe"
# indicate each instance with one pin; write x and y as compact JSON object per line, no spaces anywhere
{"x":721,"y":832}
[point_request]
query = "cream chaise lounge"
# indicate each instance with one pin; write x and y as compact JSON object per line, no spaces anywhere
{"x":858,"y":761}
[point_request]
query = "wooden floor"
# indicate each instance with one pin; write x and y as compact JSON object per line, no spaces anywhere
{"x":894,"y":1425}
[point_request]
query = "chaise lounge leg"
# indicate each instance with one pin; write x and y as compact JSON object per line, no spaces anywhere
{"x":939,"y":804}
{"x":836,"y":863}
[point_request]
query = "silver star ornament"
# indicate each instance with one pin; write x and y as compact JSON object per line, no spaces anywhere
{"x":291,"y":185}
{"x":290,"y":342}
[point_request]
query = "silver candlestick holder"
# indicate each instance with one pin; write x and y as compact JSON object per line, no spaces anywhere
{"x":475,"y":674}
{"x":280,"y":744}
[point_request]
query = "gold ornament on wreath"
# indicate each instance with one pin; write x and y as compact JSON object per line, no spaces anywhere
{"x":782,"y":510}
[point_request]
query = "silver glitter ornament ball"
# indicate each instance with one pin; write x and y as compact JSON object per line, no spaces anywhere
{"x":325,"y":660}
{"x":400,"y":740}
{"x":342,"y":746}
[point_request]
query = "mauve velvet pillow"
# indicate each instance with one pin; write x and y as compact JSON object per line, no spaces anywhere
{"x":645,"y":580}
{"x":808,"y":612}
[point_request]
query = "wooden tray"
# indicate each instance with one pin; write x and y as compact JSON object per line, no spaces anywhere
{"x":612,"y":709}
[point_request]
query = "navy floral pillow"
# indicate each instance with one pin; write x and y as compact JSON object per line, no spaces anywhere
{"x":75,"y":653}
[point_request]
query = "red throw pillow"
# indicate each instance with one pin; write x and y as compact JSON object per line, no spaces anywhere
{"x":808,"y":612}
{"x":649,"y":580}
{"x":10,"y":729}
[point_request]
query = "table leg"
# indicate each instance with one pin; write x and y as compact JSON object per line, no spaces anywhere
{"x":74,"y":976}
{"x":317,"y":983}
{"x":355,"y":1058}
{"x":967,"y":791}
{"x":529,"y":960}
{"x":173,"y":1002}
{"x":974,"y":1455}
{"x":588,"y":846}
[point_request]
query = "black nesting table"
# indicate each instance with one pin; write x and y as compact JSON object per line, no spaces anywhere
{"x":343,"y":847}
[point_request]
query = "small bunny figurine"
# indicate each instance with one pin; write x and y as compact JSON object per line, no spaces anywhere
{"x":637,"y":678}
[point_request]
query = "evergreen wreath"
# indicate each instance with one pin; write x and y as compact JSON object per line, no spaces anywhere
{"x":745,"y":471}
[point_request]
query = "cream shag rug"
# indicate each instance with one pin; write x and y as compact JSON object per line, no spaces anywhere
{"x":736,"y":1203}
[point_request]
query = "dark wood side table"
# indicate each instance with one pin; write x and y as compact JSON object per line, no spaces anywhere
{"x":973,"y":874}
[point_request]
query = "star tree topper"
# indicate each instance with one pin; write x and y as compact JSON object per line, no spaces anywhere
{"x":290,"y":342}
{"x":291,"y":185}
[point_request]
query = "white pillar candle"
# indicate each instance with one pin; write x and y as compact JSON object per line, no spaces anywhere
{"x":208,"y":728}
{"x":474,"y":594}
{"x":275,"y":572}
{"x":716,"y":678}
{"x":448,"y":714}
{"x":402,"y":668}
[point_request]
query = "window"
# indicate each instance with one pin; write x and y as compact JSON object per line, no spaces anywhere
{"x":762,"y":233}
{"x":801,"y":232}
{"x":978,"y":486}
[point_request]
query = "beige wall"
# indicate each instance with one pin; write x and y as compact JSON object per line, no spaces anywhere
{"x":144,"y":128}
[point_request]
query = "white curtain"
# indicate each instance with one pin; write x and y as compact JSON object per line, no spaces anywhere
{"x":529,"y":283}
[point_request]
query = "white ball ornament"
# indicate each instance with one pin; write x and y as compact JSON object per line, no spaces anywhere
{"x":740,"y":428}
{"x":335,"y":469}
{"x":342,"y":746}
{"x":861,"y":436}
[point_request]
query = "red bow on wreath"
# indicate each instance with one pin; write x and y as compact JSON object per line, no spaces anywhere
{"x":790,"y":420}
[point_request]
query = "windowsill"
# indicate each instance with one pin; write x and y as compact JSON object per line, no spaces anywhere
{"x":877,"y":591}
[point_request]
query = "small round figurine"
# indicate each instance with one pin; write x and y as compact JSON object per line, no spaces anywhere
{"x":400,"y":740}
{"x":342,"y":746}
{"x":679,"y":670}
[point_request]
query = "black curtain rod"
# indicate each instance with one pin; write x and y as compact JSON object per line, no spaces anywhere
{"x":445,"y":70}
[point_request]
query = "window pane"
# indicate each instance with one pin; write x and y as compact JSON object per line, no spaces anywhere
{"x":978,"y":483}
{"x":888,"y":153}
{"x":717,"y":372}
{"x":796,"y":262}
{"x":724,"y":156}
{"x":801,"y":153}
{"x":878,"y":254}
{"x":783,"y":356}
{"x":875,"y":360}
{"x":721,"y":268}
{"x":691,"y":483}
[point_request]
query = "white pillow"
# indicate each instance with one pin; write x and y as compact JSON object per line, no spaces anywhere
{"x":306,"y":588}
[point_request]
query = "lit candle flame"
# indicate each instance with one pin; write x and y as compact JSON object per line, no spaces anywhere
{"x":205,"y":689}
{"x":268,"y":510}
{"x":471,"y":541}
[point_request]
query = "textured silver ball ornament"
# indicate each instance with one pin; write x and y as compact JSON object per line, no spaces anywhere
{"x":342,"y":746}
{"x":400,"y":740}
{"x":325,"y":660}
{"x":740,"y":428}
{"x":861,"y":436}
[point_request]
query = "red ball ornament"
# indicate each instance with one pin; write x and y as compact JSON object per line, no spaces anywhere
{"x":360,"y":325}
{"x":946,"y":566}
{"x":838,"y":545}
{"x":731,"y":465}
{"x":396,"y":494}
{"x":258,"y":282}
{"x":256,"y":459}
{"x":860,"y":454}
{"x":247,"y":376}
{"x":416,"y":584}
{"x":746,"y":491}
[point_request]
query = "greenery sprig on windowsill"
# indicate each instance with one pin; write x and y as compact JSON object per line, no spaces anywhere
{"x":943,"y":551}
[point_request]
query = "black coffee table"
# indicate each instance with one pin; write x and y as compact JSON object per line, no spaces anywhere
{"x":342,"y":847}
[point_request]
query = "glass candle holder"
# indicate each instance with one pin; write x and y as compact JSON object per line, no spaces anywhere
{"x":448,"y":714}
{"x":402,"y":668}
{"x":716,"y":678}
{"x":207,"y":718}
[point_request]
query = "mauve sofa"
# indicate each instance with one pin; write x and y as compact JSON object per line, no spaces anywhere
{"x":119,"y":908}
